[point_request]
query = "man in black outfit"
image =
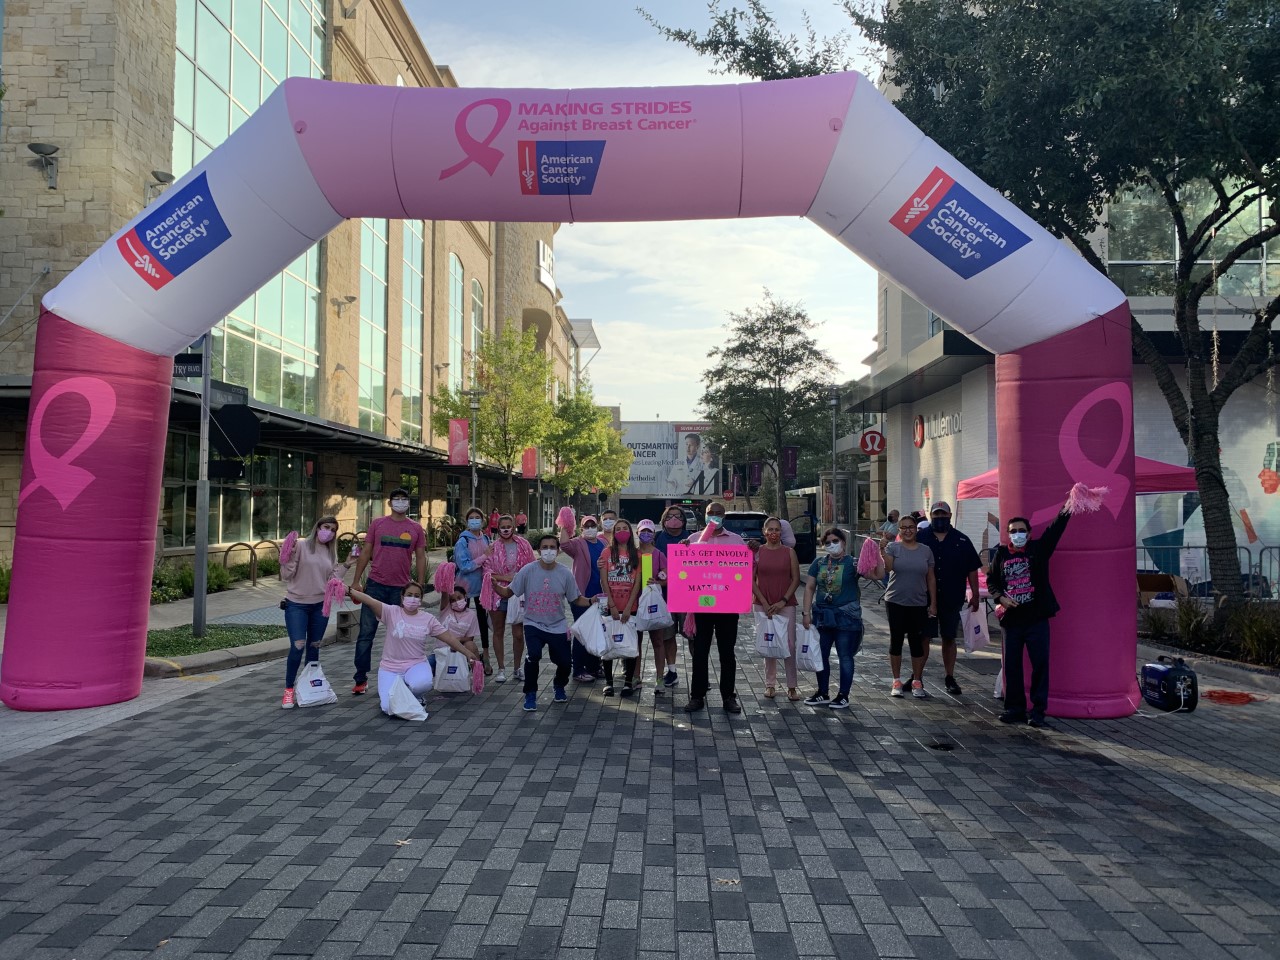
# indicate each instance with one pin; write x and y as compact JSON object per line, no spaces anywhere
{"x":1019,"y":583}
{"x":956,"y":565}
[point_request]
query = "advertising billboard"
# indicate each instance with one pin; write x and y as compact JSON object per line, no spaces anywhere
{"x":671,"y":460}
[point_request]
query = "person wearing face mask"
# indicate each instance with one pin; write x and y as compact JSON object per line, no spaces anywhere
{"x":653,"y":569}
{"x":909,"y":601}
{"x":673,"y":532}
{"x":956,"y":567}
{"x":545,"y":586}
{"x":313,"y":563}
{"x":390,"y":544}
{"x":460,"y":620}
{"x":585,"y":550}
{"x":509,"y":553}
{"x":722,"y":627}
{"x":777,"y":578}
{"x":608,"y":520}
{"x":620,"y":573}
{"x":1019,"y":583}
{"x":833,"y":601}
{"x":469,"y":555}
{"x":404,"y":652}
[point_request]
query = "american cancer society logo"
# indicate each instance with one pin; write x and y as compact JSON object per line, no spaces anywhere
{"x":549,"y":167}
{"x":956,"y":227}
{"x":178,"y":235}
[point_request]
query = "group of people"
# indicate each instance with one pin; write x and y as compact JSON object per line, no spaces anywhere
{"x":930,"y":574}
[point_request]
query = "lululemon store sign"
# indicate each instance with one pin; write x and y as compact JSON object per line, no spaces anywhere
{"x":936,"y":427}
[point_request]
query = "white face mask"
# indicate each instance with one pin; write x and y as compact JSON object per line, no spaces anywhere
{"x":590,"y":532}
{"x":548,"y":555}
{"x":608,"y":524}
{"x":1019,"y":540}
{"x":400,"y":506}
{"x":834,"y":549}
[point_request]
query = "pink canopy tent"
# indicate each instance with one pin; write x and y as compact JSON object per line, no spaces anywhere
{"x":1154,"y":476}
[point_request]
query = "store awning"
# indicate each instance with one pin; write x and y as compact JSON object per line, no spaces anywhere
{"x":1154,"y":476}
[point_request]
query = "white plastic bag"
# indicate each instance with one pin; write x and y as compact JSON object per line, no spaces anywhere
{"x":586,"y":627}
{"x":403,"y":703}
{"x":311,"y":689}
{"x":771,"y":637}
{"x":652,"y":612}
{"x":623,"y":640}
{"x":515,"y":610}
{"x":998,"y":693}
{"x":808,"y":649}
{"x":976,"y":634}
{"x":453,"y":672}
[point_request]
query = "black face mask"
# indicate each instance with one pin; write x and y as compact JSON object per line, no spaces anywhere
{"x":941,"y":524}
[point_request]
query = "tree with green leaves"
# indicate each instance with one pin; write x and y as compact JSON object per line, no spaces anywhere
{"x":1070,"y":106}
{"x":582,"y":448}
{"x":769,"y":386}
{"x":513,"y":376}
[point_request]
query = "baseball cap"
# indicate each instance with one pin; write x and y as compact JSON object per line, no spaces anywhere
{"x":591,"y":520}
{"x":940,"y":507}
{"x":644,"y":525}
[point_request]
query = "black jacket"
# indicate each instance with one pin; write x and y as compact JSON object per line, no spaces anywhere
{"x":1044,"y":604}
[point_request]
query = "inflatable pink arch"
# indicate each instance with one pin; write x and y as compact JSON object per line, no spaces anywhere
{"x":828,"y":148}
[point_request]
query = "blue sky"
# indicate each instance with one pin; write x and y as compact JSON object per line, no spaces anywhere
{"x":659,"y":293}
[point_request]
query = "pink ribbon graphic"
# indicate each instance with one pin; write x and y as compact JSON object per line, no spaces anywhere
{"x":1080,"y":469}
{"x":59,"y":475}
{"x":479,"y":151}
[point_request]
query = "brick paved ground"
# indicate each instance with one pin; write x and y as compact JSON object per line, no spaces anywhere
{"x":219,"y":825}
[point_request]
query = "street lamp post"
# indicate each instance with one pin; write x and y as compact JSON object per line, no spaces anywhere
{"x":474,"y":395}
{"x":834,"y":399}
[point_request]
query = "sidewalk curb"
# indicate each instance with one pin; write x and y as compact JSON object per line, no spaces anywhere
{"x":212,"y":661}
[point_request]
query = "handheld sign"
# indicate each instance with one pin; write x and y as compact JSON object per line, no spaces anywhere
{"x":709,"y":579}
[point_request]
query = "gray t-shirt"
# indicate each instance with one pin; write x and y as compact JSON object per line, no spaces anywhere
{"x":545,"y":592}
{"x":907,"y":583}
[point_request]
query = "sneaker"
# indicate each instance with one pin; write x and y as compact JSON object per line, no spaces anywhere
{"x":669,"y":679}
{"x":608,"y":690}
{"x":518,"y":676}
{"x":501,"y":677}
{"x":839,"y":703}
{"x":918,"y":691}
{"x":561,"y":696}
{"x":1013,"y":716}
{"x":953,"y":688}
{"x":585,"y":677}
{"x":360,"y":688}
{"x":286,"y":702}
{"x":628,"y":689}
{"x":896,"y":689}
{"x":817,"y":700}
{"x":531,"y":702}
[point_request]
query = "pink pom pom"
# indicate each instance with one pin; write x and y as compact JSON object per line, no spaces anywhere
{"x":286,"y":548}
{"x":1085,"y":499}
{"x":444,"y":578}
{"x":868,"y":557}
{"x":566,"y":519}
{"x":334,"y":591}
{"x":477,"y":677}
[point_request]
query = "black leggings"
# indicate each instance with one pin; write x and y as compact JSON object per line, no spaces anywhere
{"x":909,"y":622}
{"x":482,"y":619}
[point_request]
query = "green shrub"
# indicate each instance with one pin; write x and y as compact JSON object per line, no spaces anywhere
{"x":1255,"y":628}
{"x":176,"y":580}
{"x":268,"y":566}
{"x":6,"y":574}
{"x":1195,"y":624}
{"x":1158,"y":624}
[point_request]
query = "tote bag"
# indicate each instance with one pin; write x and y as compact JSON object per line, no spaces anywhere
{"x":623,"y":640}
{"x":652,"y":613}
{"x":808,"y":649}
{"x":453,"y":673}
{"x":976,"y":633}
{"x":771,"y":637}
{"x":311,"y":689}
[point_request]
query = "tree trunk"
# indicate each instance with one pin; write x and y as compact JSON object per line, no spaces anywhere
{"x":1215,"y":509}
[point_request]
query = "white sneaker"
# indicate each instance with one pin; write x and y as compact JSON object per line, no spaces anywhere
{"x":896,"y":689}
{"x":501,"y":677}
{"x":918,"y":691}
{"x":519,"y":674}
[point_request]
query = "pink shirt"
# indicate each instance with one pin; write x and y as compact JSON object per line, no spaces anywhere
{"x":394,"y":542}
{"x":406,"y":643}
{"x":308,"y":571}
{"x":464,"y":625}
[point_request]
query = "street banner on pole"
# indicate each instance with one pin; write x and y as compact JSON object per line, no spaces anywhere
{"x":790,"y":463}
{"x":459,"y":439}
{"x":529,"y":463}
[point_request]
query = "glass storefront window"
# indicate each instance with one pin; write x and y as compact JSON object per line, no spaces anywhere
{"x":457,"y":319}
{"x":412,"y":319}
{"x":373,"y":324}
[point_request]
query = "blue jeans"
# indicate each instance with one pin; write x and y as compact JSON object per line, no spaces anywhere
{"x":306,"y":624}
{"x":847,"y":641}
{"x":369,"y":625}
{"x":557,"y":645}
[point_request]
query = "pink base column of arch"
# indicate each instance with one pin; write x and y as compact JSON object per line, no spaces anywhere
{"x":828,"y":148}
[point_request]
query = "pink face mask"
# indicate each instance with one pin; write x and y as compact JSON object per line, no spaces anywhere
{"x":622,"y":536}
{"x":411,"y":603}
{"x":459,"y":605}
{"x":324,"y":534}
